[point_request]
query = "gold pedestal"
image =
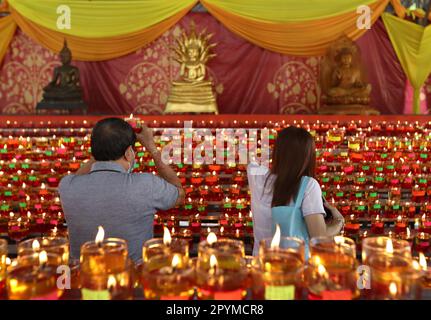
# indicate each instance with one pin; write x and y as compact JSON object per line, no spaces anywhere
{"x":191,"y":98}
{"x":349,"y":109}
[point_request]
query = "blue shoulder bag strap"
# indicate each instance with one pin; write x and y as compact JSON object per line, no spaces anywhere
{"x":301,"y":192}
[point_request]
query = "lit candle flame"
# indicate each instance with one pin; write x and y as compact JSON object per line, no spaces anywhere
{"x":275,"y":243}
{"x":423,"y":261}
{"x":211,"y":238}
{"x":167,"y":239}
{"x":43,"y":258}
{"x":35,"y":245}
{"x":389,"y":247}
{"x":321,"y":270}
{"x":393,"y":289}
{"x":408,"y":232}
{"x":112,"y":282}
{"x":175,"y":261}
{"x":100,"y":235}
{"x":213,"y":262}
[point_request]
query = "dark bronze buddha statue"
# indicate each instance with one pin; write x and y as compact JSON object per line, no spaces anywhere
{"x":65,"y":85}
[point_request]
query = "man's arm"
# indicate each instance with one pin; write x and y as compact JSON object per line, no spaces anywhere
{"x":165,"y":171}
{"x":86,"y":167}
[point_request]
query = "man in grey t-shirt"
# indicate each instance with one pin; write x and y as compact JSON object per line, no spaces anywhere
{"x":105,"y":193}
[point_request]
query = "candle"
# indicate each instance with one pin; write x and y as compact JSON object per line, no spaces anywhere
{"x":134,"y":123}
{"x":393,"y":277}
{"x":332,"y":272}
{"x":220,"y":270}
{"x":168,"y":277}
{"x":276,"y":276}
{"x":380,"y":245}
{"x":18,"y":228}
{"x":377,"y":226}
{"x":401,"y":224}
{"x":426,"y":270}
{"x":3,"y":266}
{"x":352,"y":226}
{"x":167,"y":245}
{"x":55,"y":245}
{"x":34,"y":277}
{"x":425,"y":225}
{"x":101,"y":260}
{"x":422,"y":242}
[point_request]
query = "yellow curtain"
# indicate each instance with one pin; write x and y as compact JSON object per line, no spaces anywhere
{"x":7,"y":30}
{"x":96,"y":49}
{"x":289,"y":10}
{"x":100,"y":18}
{"x":412,"y":43}
{"x":307,"y":38}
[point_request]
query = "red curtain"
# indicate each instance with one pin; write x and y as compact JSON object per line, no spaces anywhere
{"x":384,"y":70}
{"x":247,"y":79}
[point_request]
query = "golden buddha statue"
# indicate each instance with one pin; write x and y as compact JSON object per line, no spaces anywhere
{"x":192,"y":93}
{"x":343,"y":81}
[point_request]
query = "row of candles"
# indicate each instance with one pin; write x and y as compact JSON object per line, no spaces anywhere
{"x":286,"y":268}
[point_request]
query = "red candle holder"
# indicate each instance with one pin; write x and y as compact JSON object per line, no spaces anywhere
{"x":425,"y":224}
{"x":345,"y":208}
{"x":409,"y":210}
{"x":401,"y":224}
{"x":338,"y":193}
{"x":377,"y":226}
{"x":379,"y":181}
{"x":422,"y":242}
{"x":418,"y":194}
{"x":195,"y":224}
{"x":18,"y":227}
{"x":351,"y":226}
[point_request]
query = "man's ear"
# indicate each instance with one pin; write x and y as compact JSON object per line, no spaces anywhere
{"x":128,"y":154}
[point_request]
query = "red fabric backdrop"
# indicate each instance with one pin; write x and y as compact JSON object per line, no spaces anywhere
{"x":247,"y":79}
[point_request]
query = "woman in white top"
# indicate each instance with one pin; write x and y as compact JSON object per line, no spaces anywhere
{"x":293,"y":157}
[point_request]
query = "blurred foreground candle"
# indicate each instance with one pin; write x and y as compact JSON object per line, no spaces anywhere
{"x":221,"y":273}
{"x":331,"y":274}
{"x":393,"y":277}
{"x":168,"y":277}
{"x":278,"y":274}
{"x":380,"y":245}
{"x":3,"y":256}
{"x":104,"y":263}
{"x":166,"y":246}
{"x":34,"y":277}
{"x":57,"y":245}
{"x":426,"y":270}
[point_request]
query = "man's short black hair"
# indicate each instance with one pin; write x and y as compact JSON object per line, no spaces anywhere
{"x":110,"y":139}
